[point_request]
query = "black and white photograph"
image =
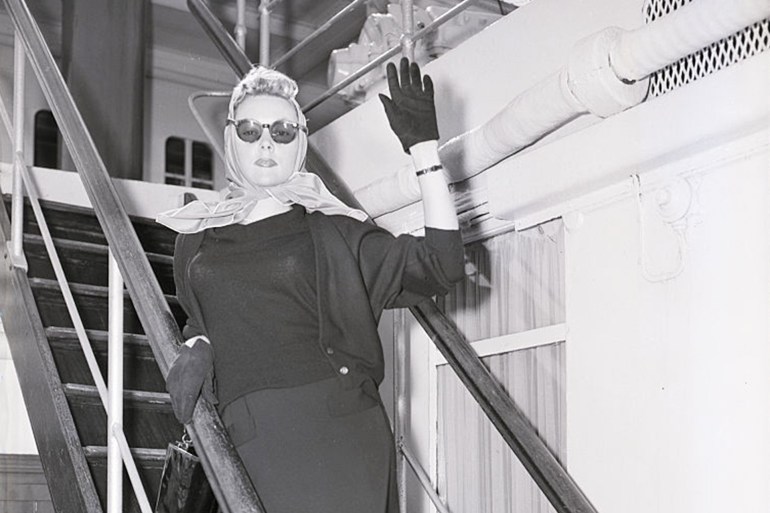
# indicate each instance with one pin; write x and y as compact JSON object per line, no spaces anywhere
{"x":385,"y":256}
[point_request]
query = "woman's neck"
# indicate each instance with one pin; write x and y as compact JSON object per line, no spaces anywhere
{"x":265,"y":208}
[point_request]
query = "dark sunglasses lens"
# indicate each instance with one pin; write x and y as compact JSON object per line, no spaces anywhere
{"x":283,"y":132}
{"x":248,"y":130}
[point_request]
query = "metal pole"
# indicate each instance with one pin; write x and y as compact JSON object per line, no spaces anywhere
{"x":401,"y":381}
{"x":240,"y":24}
{"x":264,"y":33}
{"x":407,"y":26}
{"x":115,"y":385}
{"x":401,"y":410}
{"x":17,"y":201}
{"x":214,"y":141}
{"x":424,"y":479}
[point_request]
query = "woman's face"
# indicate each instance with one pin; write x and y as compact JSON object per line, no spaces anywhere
{"x":264,"y":162}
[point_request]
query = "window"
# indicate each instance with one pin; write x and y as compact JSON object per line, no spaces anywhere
{"x":46,"y":140}
{"x":189,"y":163}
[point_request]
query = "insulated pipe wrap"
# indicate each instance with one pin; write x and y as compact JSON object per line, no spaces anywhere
{"x":528,"y":117}
{"x":592,"y":80}
{"x":696,"y":25}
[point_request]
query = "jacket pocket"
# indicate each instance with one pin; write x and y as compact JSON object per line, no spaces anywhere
{"x":353,"y":396}
{"x":239,"y":423}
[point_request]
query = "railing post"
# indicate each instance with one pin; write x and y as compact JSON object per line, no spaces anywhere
{"x":115,"y":386}
{"x":407,"y":25}
{"x":401,"y":363}
{"x":264,"y":33}
{"x":240,"y":24}
{"x":17,"y":198}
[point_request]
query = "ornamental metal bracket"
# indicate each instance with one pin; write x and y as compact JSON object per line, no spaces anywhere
{"x":665,"y":215}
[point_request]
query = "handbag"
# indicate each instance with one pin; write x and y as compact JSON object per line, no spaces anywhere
{"x":183,"y":484}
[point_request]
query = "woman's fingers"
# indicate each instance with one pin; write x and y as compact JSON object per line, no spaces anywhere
{"x":405,"y":81}
{"x":393,"y":86}
{"x":414,"y":71}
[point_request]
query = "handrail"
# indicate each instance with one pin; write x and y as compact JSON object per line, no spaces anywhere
{"x":552,"y":478}
{"x":220,"y":460}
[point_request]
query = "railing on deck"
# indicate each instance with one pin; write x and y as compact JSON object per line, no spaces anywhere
{"x":554,"y":481}
{"x":226,"y":474}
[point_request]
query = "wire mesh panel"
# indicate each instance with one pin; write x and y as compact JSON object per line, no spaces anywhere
{"x":723,"y":53}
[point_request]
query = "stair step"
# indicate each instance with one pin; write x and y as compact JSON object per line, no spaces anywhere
{"x":87,"y":262}
{"x":134,"y":398}
{"x":80,"y":223}
{"x":85,"y":289}
{"x":92,"y":304}
{"x":148,"y":419}
{"x":148,"y":461}
{"x":67,"y":338}
{"x":140,"y":370}
{"x":153,"y":457}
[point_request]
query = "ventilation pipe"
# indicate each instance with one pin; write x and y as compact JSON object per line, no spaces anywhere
{"x":605,"y":74}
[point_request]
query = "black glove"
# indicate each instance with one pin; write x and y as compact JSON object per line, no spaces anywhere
{"x":411,"y":111}
{"x":191,"y":375}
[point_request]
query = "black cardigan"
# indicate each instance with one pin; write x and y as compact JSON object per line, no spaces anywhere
{"x":360,"y":270}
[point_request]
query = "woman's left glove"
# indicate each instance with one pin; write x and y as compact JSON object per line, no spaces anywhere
{"x":410,"y":109}
{"x":191,"y":375}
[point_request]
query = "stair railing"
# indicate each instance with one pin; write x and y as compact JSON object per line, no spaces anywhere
{"x":223,"y":467}
{"x":112,"y":399}
{"x":550,"y":476}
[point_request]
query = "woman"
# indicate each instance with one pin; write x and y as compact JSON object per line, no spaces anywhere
{"x":284,"y":286}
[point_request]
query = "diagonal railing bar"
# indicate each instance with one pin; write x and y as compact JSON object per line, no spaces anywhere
{"x":220,"y":460}
{"x":423,"y":478}
{"x":352,"y":6}
{"x":219,"y":35}
{"x":552,"y":478}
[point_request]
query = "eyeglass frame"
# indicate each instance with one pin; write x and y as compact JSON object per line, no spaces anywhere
{"x":293,"y":124}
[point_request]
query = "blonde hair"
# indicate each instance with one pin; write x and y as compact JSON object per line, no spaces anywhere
{"x":263,"y":81}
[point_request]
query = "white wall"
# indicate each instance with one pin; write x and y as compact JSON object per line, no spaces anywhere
{"x":669,"y":381}
{"x":15,"y":430}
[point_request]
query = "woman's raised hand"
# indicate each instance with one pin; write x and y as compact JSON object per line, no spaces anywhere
{"x":410,"y":109}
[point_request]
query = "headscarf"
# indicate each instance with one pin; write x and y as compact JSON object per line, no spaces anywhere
{"x":240,"y":197}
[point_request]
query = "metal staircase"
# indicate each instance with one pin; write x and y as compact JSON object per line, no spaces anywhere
{"x":148,"y":423}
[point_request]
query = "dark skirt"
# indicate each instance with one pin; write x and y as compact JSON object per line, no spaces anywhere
{"x":316,"y":447}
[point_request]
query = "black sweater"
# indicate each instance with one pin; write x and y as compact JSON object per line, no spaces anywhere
{"x":360,"y":270}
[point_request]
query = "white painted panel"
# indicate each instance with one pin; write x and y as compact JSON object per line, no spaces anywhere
{"x":15,"y":430}
{"x":668,"y":388}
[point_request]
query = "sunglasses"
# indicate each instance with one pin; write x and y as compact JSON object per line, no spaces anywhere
{"x":281,"y":131}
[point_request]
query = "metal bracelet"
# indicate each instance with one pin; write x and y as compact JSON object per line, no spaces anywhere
{"x":431,"y":169}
